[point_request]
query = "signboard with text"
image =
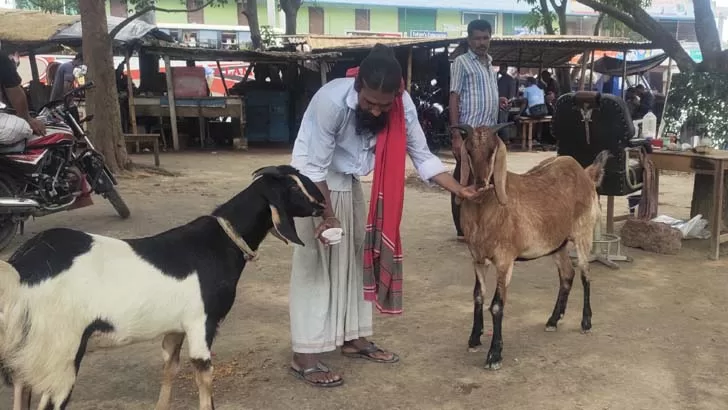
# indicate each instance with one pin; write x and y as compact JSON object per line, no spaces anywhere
{"x":427,"y":34}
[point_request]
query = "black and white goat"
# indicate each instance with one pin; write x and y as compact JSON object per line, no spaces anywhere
{"x":68,"y":285}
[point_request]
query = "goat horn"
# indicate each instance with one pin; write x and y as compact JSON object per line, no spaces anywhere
{"x":465,"y":129}
{"x":500,"y":126}
{"x":269,"y":170}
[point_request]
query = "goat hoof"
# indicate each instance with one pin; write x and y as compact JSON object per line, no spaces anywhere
{"x":586,"y":331}
{"x":494,"y":365}
{"x":474,"y":349}
{"x":550,"y":328}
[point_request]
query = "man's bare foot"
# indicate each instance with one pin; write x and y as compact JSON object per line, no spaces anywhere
{"x":308,"y":368}
{"x":364,"y":349}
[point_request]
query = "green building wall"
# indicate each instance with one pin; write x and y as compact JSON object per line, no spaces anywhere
{"x":338,"y":19}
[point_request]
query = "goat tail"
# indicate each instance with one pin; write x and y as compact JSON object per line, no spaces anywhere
{"x":9,"y":285}
{"x":596,"y":169}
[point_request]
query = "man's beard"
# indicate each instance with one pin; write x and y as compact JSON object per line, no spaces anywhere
{"x":366,"y":122}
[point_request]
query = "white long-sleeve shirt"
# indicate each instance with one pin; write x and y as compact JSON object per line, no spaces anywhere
{"x":327,"y":139}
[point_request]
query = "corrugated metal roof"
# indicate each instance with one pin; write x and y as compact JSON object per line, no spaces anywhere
{"x":176,"y":52}
{"x":523,"y":51}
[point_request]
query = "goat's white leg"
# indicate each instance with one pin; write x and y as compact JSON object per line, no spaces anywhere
{"x":504,"y":271}
{"x":45,"y":399}
{"x":171,"y":346}
{"x":478,"y":294}
{"x":21,"y":397}
{"x":583,"y":247}
{"x":566,"y":279}
{"x":201,"y":361}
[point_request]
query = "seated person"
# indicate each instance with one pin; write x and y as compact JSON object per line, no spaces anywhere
{"x":534,"y":100}
{"x":647,"y":101}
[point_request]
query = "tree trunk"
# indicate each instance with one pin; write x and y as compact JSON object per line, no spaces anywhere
{"x":291,"y":22}
{"x":105,"y":129}
{"x":702,"y":202}
{"x":598,"y":25}
{"x":251,"y":12}
{"x":708,"y":37}
{"x":290,"y":9}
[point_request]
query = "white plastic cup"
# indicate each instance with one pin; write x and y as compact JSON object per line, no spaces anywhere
{"x":333,"y":235}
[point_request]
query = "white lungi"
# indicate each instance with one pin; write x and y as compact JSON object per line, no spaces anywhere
{"x":326,"y":302}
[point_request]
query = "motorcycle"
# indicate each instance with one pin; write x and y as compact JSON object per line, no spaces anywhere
{"x":55,"y":172}
{"x":432,"y":115}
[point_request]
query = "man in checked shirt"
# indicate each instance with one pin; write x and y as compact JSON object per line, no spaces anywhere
{"x":473,"y":95}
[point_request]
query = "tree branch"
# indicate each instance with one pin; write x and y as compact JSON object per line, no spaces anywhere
{"x":639,"y":21}
{"x":146,"y":10}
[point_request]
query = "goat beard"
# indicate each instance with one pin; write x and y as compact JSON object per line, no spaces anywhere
{"x":368,"y":123}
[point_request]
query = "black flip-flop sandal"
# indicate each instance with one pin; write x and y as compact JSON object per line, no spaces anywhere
{"x":318,"y":368}
{"x":366,"y":353}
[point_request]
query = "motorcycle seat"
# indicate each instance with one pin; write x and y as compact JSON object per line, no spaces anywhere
{"x":14,"y":148}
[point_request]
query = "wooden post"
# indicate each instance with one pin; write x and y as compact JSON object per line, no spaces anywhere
{"x":172,"y":107}
{"x":33,"y":67}
{"x":222,"y":77}
{"x":666,"y":88}
{"x":130,"y":90}
{"x":624,"y":73}
{"x":582,"y":79}
{"x":591,"y":72}
{"x":322,"y":71}
{"x":409,"y":70}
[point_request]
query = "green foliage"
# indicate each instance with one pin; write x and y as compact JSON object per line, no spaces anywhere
{"x":136,"y":5}
{"x":49,"y":6}
{"x":698,"y":102}
{"x":539,"y":16}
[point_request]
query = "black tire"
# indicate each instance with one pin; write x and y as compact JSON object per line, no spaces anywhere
{"x":118,"y":203}
{"x":115,"y":198}
{"x":8,"y":228}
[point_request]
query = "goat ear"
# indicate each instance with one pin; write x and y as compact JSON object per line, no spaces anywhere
{"x":466,"y":130}
{"x":464,"y":166}
{"x":500,"y":172}
{"x":283,"y":226}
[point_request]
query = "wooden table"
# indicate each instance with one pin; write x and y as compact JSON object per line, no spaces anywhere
{"x":527,"y":129}
{"x":202,"y":107}
{"x":715,"y":164}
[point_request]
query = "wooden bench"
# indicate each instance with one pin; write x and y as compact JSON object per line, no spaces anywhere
{"x":145,"y":138}
{"x":527,"y":124}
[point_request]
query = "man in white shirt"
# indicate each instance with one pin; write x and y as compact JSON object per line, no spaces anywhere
{"x":346,"y":126}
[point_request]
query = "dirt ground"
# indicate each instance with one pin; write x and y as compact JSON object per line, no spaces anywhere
{"x":658,"y":342}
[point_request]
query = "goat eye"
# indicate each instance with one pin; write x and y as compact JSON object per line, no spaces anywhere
{"x":296,"y":188}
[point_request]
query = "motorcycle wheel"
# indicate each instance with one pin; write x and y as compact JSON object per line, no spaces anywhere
{"x":8,"y":228}
{"x":116,"y":201}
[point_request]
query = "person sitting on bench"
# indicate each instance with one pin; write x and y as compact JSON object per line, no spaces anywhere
{"x":534,"y":102}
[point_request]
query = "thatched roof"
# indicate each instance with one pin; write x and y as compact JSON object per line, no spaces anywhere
{"x":22,"y":30}
{"x":30,"y":27}
{"x":523,"y":51}
{"x":177,"y":52}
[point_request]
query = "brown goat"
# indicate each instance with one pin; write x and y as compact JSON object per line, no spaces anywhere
{"x":524,"y":217}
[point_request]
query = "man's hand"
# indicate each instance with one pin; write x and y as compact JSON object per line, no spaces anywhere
{"x":328,"y":223}
{"x":503,"y":101}
{"x":470,"y":192}
{"x":457,"y":142}
{"x":37,"y":126}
